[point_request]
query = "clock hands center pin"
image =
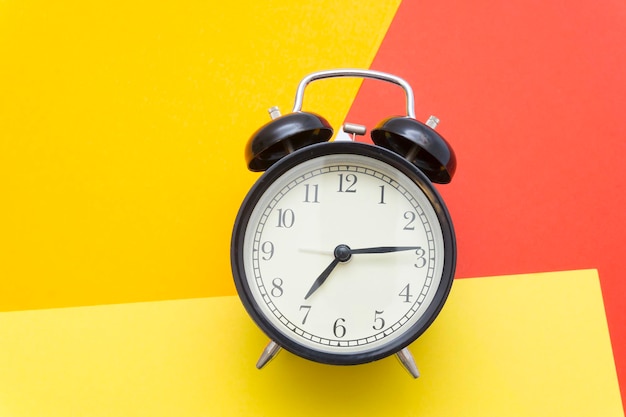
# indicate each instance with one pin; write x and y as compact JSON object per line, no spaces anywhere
{"x":343,"y":253}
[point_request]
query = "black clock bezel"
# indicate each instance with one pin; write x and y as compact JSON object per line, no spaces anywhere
{"x":354,"y":148}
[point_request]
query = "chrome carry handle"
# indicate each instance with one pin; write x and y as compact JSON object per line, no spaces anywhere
{"x":356,"y":73}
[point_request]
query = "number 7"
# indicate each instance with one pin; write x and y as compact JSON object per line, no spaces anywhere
{"x":308,"y":310}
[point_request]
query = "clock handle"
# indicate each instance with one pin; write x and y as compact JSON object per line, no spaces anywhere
{"x":356,"y":73}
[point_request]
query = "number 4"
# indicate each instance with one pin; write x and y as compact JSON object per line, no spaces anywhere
{"x":406,"y":293}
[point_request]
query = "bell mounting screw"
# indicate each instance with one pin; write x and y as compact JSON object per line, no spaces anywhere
{"x":274,"y":112}
{"x":432,"y":122}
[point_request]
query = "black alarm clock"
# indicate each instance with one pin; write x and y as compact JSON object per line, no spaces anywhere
{"x":343,"y":252}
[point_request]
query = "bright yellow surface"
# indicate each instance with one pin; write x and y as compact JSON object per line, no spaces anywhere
{"x":122,"y":132}
{"x":526,"y":345}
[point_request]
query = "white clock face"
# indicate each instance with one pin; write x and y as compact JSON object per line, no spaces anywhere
{"x":343,"y":253}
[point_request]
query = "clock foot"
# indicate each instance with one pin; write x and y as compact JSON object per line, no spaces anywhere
{"x":268,"y":354}
{"x":406,"y":359}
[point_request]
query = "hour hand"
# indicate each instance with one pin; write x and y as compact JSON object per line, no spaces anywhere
{"x":341,"y":253}
{"x":320,"y":280}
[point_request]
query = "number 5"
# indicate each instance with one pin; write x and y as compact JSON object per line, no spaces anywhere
{"x":379,"y":322}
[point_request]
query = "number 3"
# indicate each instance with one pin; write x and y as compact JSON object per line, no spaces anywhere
{"x":421,"y":259}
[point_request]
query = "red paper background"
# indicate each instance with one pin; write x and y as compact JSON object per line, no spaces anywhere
{"x":532,"y":97}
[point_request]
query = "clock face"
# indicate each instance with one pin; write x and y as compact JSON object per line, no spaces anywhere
{"x":343,"y":253}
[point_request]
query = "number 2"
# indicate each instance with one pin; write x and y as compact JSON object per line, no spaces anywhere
{"x":410,"y":216}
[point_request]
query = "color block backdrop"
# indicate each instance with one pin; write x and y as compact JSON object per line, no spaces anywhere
{"x":122,"y":129}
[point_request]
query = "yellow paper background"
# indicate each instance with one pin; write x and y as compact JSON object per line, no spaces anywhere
{"x":526,"y":345}
{"x":122,"y":134}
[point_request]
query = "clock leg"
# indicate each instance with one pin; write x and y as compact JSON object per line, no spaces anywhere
{"x":268,"y":354}
{"x":406,"y":359}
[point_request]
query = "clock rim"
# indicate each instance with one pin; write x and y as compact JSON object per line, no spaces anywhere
{"x":410,"y":334}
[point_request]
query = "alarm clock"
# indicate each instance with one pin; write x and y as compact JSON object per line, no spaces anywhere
{"x":344,"y":252}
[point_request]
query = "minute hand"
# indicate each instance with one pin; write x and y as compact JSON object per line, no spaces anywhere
{"x":383,"y":249}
